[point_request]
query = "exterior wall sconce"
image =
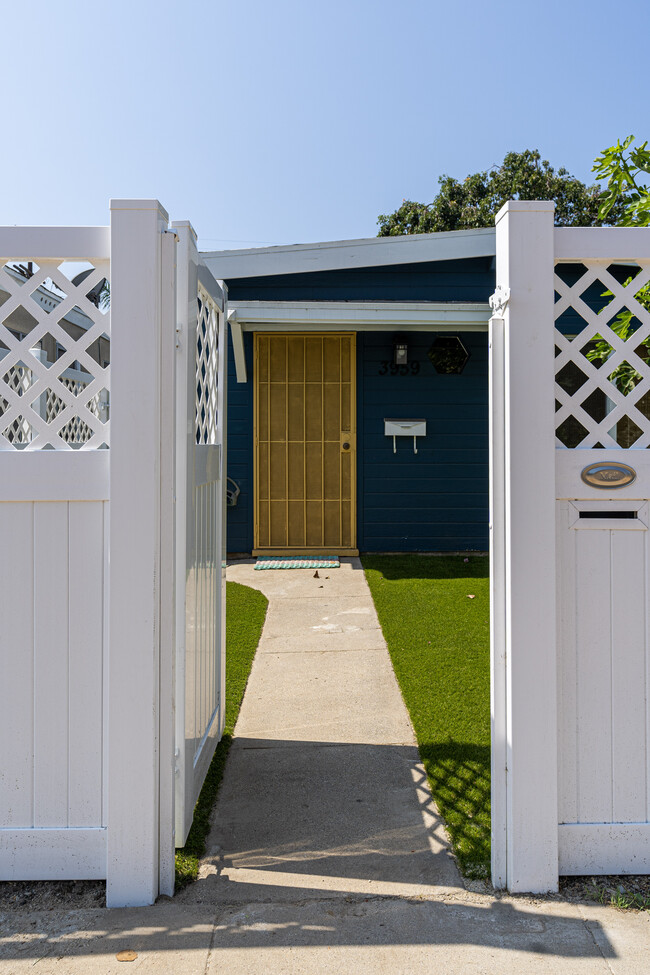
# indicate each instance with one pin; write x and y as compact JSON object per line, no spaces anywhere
{"x":400,"y":353}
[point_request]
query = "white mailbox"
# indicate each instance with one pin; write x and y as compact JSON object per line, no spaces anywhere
{"x":405,"y":428}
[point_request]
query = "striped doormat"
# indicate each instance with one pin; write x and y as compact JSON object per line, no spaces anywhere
{"x":274,"y":562}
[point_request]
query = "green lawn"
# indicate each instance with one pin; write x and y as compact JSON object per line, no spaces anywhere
{"x":245,"y":613}
{"x":439,"y":642}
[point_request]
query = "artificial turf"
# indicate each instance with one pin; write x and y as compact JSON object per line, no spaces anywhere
{"x":245,"y":614}
{"x":434,"y":613}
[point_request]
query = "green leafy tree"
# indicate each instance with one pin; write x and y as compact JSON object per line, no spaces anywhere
{"x":474,"y":201}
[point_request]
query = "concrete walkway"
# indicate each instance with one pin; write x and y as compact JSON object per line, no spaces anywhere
{"x":327,"y":854}
{"x":324,"y":791}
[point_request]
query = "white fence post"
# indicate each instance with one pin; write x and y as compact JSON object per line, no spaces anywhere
{"x":138,"y":440}
{"x":524,"y":494}
{"x":498,"y":692}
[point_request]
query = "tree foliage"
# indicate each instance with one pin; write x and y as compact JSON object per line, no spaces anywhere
{"x":625,"y":172}
{"x":474,"y":201}
{"x":627,"y":196}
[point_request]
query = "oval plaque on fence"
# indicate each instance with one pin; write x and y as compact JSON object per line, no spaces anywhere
{"x":608,"y":475}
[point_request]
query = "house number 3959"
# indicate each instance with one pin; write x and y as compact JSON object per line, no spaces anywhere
{"x":390,"y":369}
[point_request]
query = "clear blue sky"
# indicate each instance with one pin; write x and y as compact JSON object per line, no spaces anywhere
{"x":274,"y":121}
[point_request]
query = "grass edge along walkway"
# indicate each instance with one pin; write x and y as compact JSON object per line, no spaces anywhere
{"x":245,"y":615}
{"x":434,"y":614}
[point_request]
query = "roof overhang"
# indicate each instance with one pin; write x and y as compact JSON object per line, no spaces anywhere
{"x":349,"y":316}
{"x":340,"y":254}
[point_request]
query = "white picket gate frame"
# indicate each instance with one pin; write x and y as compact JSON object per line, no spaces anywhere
{"x":201,"y":362}
{"x":93,"y":647}
{"x":569,"y":598}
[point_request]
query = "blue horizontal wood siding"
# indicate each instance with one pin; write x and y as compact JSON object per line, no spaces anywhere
{"x":470,"y":280}
{"x":435,"y":500}
{"x":240,"y":451}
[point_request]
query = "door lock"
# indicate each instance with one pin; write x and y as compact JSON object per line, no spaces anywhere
{"x":346,"y":441}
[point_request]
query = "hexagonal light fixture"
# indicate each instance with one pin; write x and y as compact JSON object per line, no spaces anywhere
{"x":448,"y":355}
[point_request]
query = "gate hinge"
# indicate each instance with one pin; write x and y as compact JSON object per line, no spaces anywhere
{"x":179,"y":332}
{"x":499,"y":301}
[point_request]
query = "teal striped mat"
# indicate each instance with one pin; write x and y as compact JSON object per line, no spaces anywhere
{"x":274,"y":562}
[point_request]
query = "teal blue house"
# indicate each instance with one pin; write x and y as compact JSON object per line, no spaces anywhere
{"x":338,"y":354}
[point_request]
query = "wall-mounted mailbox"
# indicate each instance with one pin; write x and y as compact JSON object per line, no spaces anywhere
{"x":405,"y":428}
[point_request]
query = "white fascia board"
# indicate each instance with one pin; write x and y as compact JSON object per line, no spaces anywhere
{"x":337,"y":254}
{"x":359,"y":316}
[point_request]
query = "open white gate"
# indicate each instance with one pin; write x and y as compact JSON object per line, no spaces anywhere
{"x":570,"y":490}
{"x":200,"y":524}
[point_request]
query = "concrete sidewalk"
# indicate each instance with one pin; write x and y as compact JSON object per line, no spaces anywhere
{"x":327,"y":854}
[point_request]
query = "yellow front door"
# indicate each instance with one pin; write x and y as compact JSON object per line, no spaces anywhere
{"x":305,"y":444}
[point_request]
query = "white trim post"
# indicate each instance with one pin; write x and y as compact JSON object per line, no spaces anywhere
{"x":186,"y":315}
{"x":524,"y":233}
{"x":167,"y":605}
{"x":498,"y":695}
{"x":222,"y":510}
{"x":134,"y":602}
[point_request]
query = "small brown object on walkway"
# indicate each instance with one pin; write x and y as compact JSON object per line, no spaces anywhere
{"x":126,"y":955}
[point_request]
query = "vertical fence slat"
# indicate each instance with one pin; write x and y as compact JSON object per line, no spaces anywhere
{"x":567,"y":669}
{"x":593,"y":649}
{"x":51,"y":663}
{"x":629,"y":706}
{"x":17,"y":684}
{"x":86,"y":662}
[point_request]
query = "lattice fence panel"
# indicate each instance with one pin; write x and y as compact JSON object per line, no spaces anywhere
{"x":602,"y":346}
{"x":207,"y":369}
{"x":54,"y":355}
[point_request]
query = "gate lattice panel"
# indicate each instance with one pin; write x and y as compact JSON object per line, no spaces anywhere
{"x":602,"y":370}
{"x":54,"y":355}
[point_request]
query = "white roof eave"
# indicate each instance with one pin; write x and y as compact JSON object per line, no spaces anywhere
{"x":340,"y":254}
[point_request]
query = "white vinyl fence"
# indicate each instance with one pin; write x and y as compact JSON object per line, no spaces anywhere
{"x":570,"y":483}
{"x":109,"y":613}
